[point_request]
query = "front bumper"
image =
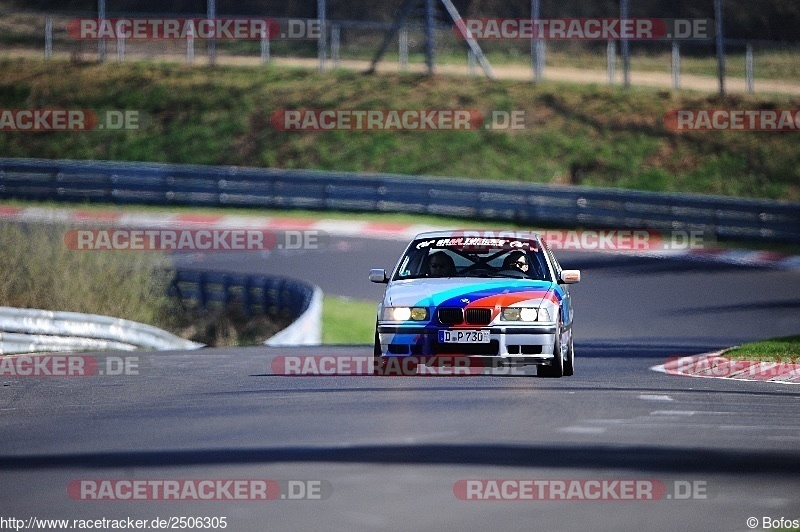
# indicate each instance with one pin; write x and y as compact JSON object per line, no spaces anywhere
{"x":517,"y":343}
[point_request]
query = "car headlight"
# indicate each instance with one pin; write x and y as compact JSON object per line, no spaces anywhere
{"x":544,"y":315}
{"x":525,"y":314}
{"x":405,"y":313}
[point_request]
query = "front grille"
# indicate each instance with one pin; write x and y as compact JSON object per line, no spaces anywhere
{"x":479,"y":316}
{"x":450,"y":316}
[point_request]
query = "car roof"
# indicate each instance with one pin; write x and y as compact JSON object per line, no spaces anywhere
{"x":481,"y":233}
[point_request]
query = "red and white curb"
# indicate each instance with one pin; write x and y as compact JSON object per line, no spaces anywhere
{"x":158,"y":220}
{"x":345,"y":228}
{"x":717,"y":366}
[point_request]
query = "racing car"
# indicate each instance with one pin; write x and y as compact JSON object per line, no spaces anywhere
{"x":500,"y":297}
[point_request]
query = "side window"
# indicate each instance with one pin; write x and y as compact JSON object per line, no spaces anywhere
{"x":553,"y":261}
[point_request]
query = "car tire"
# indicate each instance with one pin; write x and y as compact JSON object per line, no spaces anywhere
{"x":569,"y":362}
{"x":556,"y":367}
{"x":376,"y":350}
{"x":379,"y":363}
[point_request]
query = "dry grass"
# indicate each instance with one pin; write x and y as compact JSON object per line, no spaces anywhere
{"x":39,"y":271}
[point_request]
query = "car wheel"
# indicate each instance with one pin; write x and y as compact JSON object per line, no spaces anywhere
{"x":556,"y":367}
{"x":569,"y":362}
{"x":377,"y":348}
{"x":379,"y":363}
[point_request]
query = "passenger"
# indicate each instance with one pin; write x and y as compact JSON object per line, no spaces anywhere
{"x":516,"y":260}
{"x":440,"y":264}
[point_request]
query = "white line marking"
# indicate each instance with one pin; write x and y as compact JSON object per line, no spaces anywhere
{"x":583,"y":430}
{"x":647,"y":397}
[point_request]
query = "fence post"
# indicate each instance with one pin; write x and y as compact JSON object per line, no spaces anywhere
{"x":537,"y":53}
{"x":322,"y":42}
{"x":430,"y":36}
{"x":403,"y":43}
{"x":676,"y":65}
{"x":190,"y":48}
{"x":611,"y":62}
{"x":625,"y":48}
{"x":265,"y":51}
{"x":48,"y":38}
{"x":120,"y":48}
{"x":720,"y":46}
{"x":101,"y":44}
{"x":335,"y":45}
{"x":212,"y":42}
{"x":750,"y":79}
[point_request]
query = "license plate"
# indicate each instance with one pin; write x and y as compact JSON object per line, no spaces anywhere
{"x":464,"y":337}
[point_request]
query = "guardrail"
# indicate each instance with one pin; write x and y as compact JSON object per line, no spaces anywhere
{"x":280,"y":298}
{"x":253,"y":294}
{"x":33,"y":330}
{"x":526,"y":203}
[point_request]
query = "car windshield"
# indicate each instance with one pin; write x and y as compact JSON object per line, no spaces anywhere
{"x":473,"y":257}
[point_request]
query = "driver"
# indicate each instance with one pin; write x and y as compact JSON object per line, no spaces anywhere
{"x":440,"y":264}
{"x":516,"y":260}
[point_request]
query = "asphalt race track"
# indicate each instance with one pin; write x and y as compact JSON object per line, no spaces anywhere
{"x":393,"y":453}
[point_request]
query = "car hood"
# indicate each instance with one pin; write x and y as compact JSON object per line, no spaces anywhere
{"x":465,"y":292}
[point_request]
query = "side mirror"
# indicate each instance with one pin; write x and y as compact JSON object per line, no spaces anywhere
{"x":570,"y":276}
{"x":378,"y":276}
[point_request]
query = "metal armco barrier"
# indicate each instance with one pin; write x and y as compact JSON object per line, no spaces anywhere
{"x":33,"y":330}
{"x":526,"y":203}
{"x":253,"y":294}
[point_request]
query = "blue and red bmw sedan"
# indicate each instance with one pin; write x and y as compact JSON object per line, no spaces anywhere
{"x":497,"y":296}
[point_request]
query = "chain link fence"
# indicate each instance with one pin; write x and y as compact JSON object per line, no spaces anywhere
{"x":750,"y":66}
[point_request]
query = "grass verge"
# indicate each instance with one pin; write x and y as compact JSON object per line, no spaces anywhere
{"x":347,"y":321}
{"x":574,"y":134}
{"x":782,"y":349}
